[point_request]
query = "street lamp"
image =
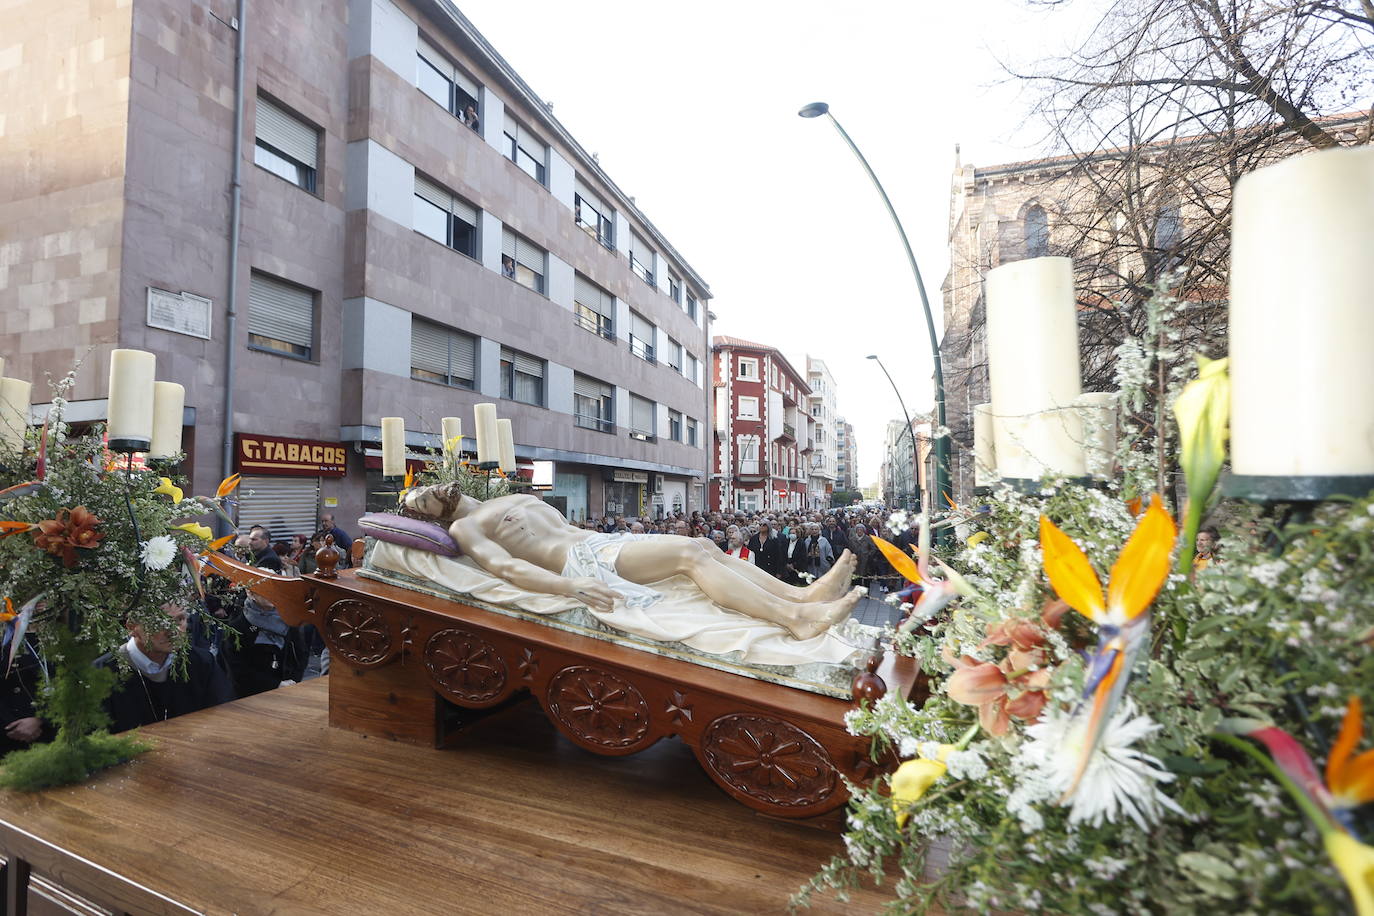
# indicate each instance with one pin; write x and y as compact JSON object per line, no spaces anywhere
{"x":941,"y":483}
{"x":915,"y":452}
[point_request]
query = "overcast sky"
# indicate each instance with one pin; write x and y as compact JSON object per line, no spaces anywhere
{"x":692,"y":110}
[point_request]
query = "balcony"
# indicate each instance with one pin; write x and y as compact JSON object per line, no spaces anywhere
{"x":789,"y":432}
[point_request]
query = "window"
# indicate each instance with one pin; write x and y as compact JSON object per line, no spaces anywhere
{"x":281,"y":317}
{"x":674,"y":355}
{"x":641,"y":259}
{"x":446,"y":84}
{"x":1168,"y":232}
{"x":748,"y":369}
{"x":286,"y":146}
{"x":692,"y":431}
{"x":1037,"y":232}
{"x":675,"y":289}
{"x":642,"y":418}
{"x":593,"y":308}
{"x":522,"y":261}
{"x":593,"y":404}
{"x":594,"y":217}
{"x":443,"y":355}
{"x":693,"y":368}
{"x":675,"y":425}
{"x":641,"y":337}
{"x":748,"y":454}
{"x":691,"y":307}
{"x":445,"y":218}
{"x":525,"y":150}
{"x":748,"y":408}
{"x":522,"y":377}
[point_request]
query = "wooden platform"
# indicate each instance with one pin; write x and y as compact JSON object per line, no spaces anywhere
{"x":260,"y":807}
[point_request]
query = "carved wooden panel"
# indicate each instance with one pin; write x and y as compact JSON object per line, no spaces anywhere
{"x":597,"y":707}
{"x":464,"y":666}
{"x":768,"y":760}
{"x":358,"y":633}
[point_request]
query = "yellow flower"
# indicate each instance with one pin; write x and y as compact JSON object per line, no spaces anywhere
{"x":1202,"y":411}
{"x":167,"y":488}
{"x":1355,"y":861}
{"x":195,"y":528}
{"x":914,"y":778}
{"x":977,"y":538}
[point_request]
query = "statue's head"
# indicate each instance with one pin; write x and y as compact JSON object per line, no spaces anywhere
{"x":441,"y":501}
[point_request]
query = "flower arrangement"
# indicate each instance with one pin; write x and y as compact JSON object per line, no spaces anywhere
{"x":1128,"y":748}
{"x":86,"y":546}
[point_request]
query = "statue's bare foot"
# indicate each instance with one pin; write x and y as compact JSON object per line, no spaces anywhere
{"x":825,"y":615}
{"x":835,"y":582}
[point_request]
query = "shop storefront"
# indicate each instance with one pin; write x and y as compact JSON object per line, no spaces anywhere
{"x":570,"y":495}
{"x":280,"y":489}
{"x":627,"y":492}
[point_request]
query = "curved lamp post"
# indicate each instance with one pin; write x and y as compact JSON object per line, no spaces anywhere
{"x":915,"y":452}
{"x":941,"y":482}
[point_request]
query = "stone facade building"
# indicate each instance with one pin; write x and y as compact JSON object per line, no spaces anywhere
{"x":418,"y":234}
{"x":763,"y":433}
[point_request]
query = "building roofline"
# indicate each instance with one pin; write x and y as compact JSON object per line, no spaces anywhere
{"x":469,"y":34}
{"x":724,"y":342}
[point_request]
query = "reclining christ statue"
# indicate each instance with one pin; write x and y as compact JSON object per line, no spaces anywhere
{"x":527,"y":542}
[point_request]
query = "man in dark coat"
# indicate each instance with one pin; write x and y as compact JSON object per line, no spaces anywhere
{"x":153,"y":693}
{"x":20,"y":725}
{"x":771,"y":554}
{"x":260,"y":543}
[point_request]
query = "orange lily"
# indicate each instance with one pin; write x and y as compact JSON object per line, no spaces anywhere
{"x":227,"y":486}
{"x":1350,"y":782}
{"x":10,"y":613}
{"x":9,"y":528}
{"x":1123,"y":618}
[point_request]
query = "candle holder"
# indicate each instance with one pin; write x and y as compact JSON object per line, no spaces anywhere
{"x":1031,"y":486}
{"x":127,"y":446}
{"x":486,"y":467}
{"x":1258,"y":488}
{"x":393,"y":482}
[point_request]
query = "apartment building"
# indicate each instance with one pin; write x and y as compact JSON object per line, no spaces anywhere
{"x":417,"y":234}
{"x":846,"y":456}
{"x":763,"y":432}
{"x":823,"y":467}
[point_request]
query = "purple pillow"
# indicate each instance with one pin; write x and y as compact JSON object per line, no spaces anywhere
{"x":409,"y":532}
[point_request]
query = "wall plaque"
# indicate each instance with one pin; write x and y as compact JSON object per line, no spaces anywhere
{"x":182,"y":313}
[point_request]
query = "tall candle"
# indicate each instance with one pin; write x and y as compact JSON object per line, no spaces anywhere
{"x":1033,"y":363}
{"x":131,"y":399}
{"x":168,"y":400}
{"x":393,"y":447}
{"x":1097,"y":412}
{"x":2,"y":367}
{"x":1008,"y":434}
{"x":506,"y":436}
{"x":984,"y":452}
{"x":488,"y":446}
{"x":453,"y":432}
{"x":15,"y":395}
{"x":1301,"y":322}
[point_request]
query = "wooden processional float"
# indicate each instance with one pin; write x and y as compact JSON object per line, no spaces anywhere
{"x":397,"y":655}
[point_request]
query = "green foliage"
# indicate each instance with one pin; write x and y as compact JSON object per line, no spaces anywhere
{"x":470,"y":480}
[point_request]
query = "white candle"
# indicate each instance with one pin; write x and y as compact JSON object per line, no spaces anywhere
{"x":131,"y":398}
{"x":506,"y":436}
{"x":984,"y":453}
{"x":1097,"y":412}
{"x":453,"y":430}
{"x":15,"y":395}
{"x":168,"y":400}
{"x":1009,"y":434}
{"x":1033,"y":363}
{"x":488,"y":446}
{"x":2,"y":367}
{"x":1301,"y":322}
{"x":393,"y":447}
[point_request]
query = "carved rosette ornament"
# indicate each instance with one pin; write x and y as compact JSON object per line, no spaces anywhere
{"x":464,"y":666}
{"x":357,"y":633}
{"x":768,"y":760}
{"x":598,"y":707}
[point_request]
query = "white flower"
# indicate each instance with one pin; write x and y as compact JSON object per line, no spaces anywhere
{"x":967,"y":764}
{"x":159,"y":552}
{"x":1118,"y":779}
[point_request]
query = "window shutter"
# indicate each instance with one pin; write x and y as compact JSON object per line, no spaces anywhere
{"x":436,"y":60}
{"x":641,"y":250}
{"x":287,"y":133}
{"x":591,"y":388}
{"x":281,"y":311}
{"x":428,"y":347}
{"x":641,"y":415}
{"x":594,"y":297}
{"x":530,"y":255}
{"x":283,"y":505}
{"x":433,"y":193}
{"x":641,"y":328}
{"x":508,"y":243}
{"x":522,"y":363}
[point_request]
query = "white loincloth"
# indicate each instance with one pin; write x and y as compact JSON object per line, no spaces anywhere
{"x":595,"y":557}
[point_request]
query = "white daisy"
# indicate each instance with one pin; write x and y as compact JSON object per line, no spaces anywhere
{"x":159,"y":552}
{"x":1118,"y":779}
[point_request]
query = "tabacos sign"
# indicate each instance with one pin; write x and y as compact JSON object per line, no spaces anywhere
{"x":275,"y":456}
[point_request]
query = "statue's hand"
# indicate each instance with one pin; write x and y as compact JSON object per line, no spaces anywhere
{"x":594,"y":592}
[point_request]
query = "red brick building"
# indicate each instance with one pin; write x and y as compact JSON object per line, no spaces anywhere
{"x":763,"y":433}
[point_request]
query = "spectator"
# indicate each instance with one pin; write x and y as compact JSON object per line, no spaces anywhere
{"x":1208,"y":542}
{"x":259,"y":544}
{"x":22,"y":726}
{"x":736,"y":548}
{"x":152,"y":694}
{"x":342,"y":539}
{"x":470,"y":117}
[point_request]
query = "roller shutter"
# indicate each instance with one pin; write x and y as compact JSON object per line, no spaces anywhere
{"x":287,"y":133}
{"x":281,"y":311}
{"x":283,"y":505}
